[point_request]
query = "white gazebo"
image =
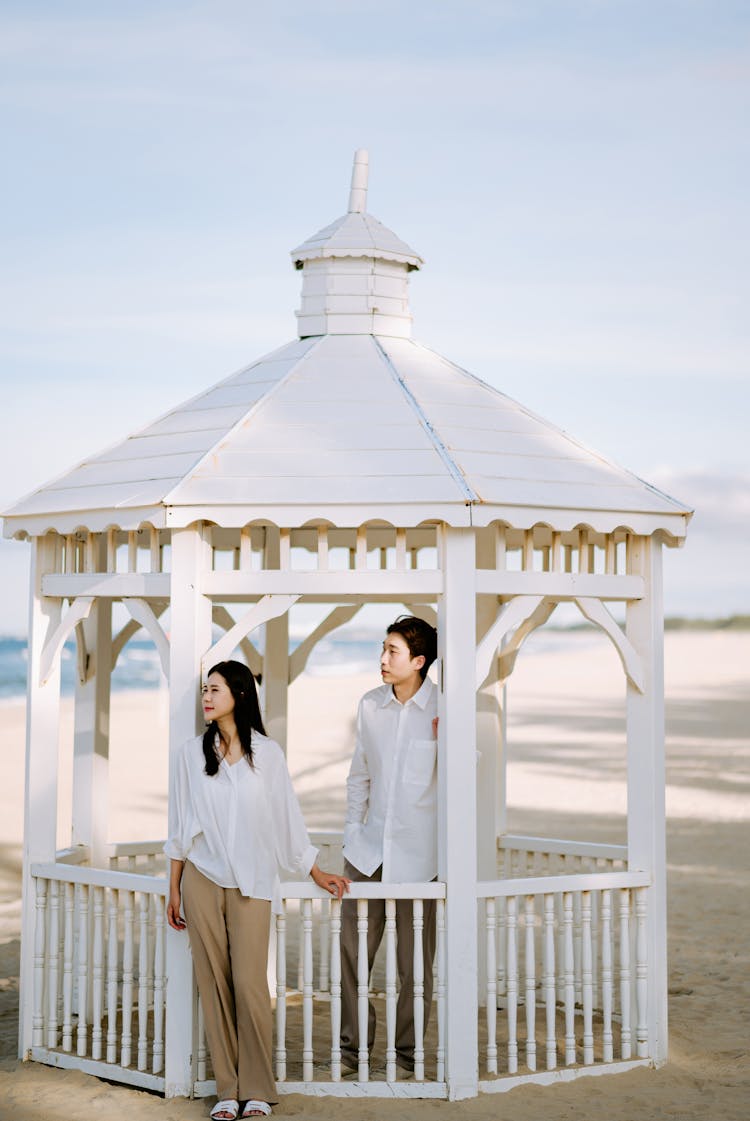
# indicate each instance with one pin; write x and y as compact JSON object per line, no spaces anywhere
{"x":352,"y":465}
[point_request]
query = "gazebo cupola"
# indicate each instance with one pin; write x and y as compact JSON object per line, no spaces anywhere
{"x":355,"y":272}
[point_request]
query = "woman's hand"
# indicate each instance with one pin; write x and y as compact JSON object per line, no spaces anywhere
{"x":329,"y":881}
{"x":174,"y":918}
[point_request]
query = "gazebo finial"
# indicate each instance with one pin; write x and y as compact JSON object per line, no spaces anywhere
{"x":358,"y":193}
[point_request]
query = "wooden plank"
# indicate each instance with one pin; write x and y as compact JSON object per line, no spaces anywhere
{"x":140,"y":585}
{"x":336,"y":583}
{"x":561,"y":585}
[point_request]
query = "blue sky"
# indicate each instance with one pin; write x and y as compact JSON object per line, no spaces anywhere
{"x":574,"y":173}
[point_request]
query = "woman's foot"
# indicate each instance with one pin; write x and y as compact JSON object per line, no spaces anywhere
{"x":255,"y":1108}
{"x":225,"y":1110}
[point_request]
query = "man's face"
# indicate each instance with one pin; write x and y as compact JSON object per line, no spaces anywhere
{"x":396,"y":663}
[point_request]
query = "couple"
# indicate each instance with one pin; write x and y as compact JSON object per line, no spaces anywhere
{"x":234,"y":819}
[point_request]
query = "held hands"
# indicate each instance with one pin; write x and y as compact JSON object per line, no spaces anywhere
{"x":330,"y":882}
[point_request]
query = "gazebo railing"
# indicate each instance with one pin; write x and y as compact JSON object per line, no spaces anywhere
{"x":567,"y":973}
{"x":99,"y":973}
{"x":307,"y":1015}
{"x":566,"y":980}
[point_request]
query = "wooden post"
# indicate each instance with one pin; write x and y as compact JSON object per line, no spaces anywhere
{"x":457,"y":805}
{"x":646,"y":778}
{"x":190,"y":639}
{"x":91,"y":727}
{"x":40,"y":800}
{"x":276,"y":656}
{"x":488,"y":731}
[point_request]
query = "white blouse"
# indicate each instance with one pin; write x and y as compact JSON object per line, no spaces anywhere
{"x":240,"y":825}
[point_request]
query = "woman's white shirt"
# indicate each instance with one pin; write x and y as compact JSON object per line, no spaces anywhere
{"x":239,"y":826}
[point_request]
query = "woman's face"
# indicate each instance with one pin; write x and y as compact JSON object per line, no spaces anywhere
{"x":217,"y":698}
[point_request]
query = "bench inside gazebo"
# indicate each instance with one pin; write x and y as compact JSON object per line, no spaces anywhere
{"x":351,"y":466}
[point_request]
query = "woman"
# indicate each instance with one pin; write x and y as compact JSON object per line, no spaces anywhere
{"x":234,"y":819}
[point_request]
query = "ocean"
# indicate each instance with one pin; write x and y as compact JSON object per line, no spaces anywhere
{"x":138,"y":666}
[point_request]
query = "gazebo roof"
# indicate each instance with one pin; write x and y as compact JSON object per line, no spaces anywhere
{"x":355,"y":423}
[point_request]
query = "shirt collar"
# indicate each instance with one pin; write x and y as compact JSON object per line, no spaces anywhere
{"x":420,"y":698}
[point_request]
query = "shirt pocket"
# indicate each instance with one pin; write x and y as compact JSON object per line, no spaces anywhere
{"x":419,"y":766}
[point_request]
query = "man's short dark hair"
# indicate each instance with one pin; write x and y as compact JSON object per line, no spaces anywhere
{"x":419,"y":636}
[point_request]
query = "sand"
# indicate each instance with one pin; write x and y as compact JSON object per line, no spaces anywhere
{"x":565,"y":778}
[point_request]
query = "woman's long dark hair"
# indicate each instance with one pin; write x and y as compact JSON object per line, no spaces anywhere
{"x":247,"y":716}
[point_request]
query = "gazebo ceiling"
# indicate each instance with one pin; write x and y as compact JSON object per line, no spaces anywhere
{"x":354,"y":423}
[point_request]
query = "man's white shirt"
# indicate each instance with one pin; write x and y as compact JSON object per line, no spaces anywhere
{"x":391,"y":816}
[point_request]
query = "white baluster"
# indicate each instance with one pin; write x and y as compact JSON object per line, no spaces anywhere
{"x":569,"y":979}
{"x":307,"y":991}
{"x":586,"y":978}
{"x":607,"y":1050}
{"x":324,"y":934}
{"x":577,"y":942}
{"x":401,"y":550}
{"x":97,"y":974}
{"x":502,"y":945}
{"x":142,"y":981}
{"x":53,"y":970}
{"x":159,"y":982}
{"x":418,"y":912}
{"x":390,"y":990}
{"x":491,"y":925}
{"x":560,"y":979}
{"x":626,"y":1037}
{"x":641,"y":974}
{"x":335,"y":990}
{"x":362,"y":990}
{"x":512,"y":982}
{"x":530,"y":963}
{"x":128,"y":954}
{"x":83,"y":968}
{"x":201,"y":1049}
{"x":67,"y":987}
{"x":595,"y":931}
{"x":112,"y":978}
{"x":360,"y":551}
{"x":549,"y":980}
{"x":440,"y":958}
{"x":40,"y":932}
{"x":281,"y":995}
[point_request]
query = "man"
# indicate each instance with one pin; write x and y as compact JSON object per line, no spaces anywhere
{"x":391,"y":825}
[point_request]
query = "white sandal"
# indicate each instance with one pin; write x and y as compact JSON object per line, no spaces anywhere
{"x":253,"y":1106}
{"x":228,"y":1105}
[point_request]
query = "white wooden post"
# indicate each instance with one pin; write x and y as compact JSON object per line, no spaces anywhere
{"x":190,"y":638}
{"x":91,"y":728}
{"x":489,"y":747}
{"x":276,"y":656}
{"x":646,"y":778}
{"x":457,"y":805}
{"x":488,"y":731}
{"x":40,"y":801}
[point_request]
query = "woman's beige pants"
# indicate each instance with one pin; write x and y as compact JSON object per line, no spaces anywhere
{"x":229,"y":941}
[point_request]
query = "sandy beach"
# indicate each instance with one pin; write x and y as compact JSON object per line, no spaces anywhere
{"x":565,"y":779}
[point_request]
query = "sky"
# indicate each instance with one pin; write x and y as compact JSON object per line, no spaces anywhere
{"x":574,"y":173}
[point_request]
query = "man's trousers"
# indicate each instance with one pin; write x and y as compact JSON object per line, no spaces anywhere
{"x":404,"y":965}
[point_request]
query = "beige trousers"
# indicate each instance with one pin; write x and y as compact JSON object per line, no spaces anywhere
{"x":229,"y":942}
{"x":404,"y":966}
